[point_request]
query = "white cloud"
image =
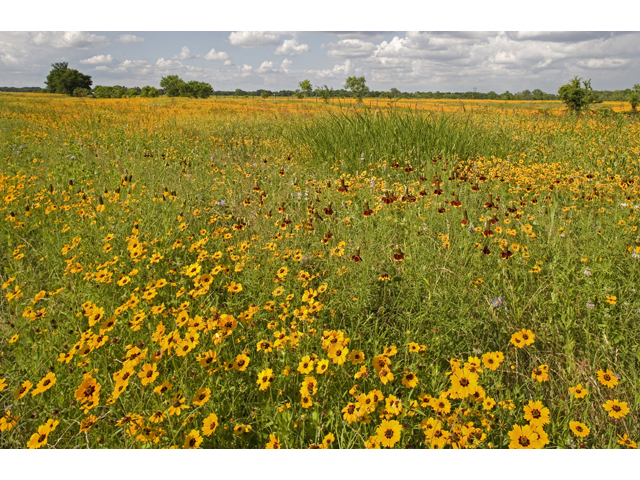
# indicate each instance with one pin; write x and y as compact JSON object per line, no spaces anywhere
{"x":346,"y":69}
{"x":253,"y":39}
{"x":167,"y":64}
{"x":98,"y":60}
{"x":285,"y":65}
{"x":266,"y":67}
{"x":213,"y":55}
{"x":290,"y":47}
{"x":245,"y":70}
{"x":351,"y":48}
{"x":128,"y":38}
{"x":67,"y":39}
{"x":185,"y":54}
{"x":228,"y":62}
{"x":603,"y":62}
{"x":9,"y":59}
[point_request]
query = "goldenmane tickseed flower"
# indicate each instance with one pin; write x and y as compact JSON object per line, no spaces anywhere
{"x":611,"y":299}
{"x":322,"y":366}
{"x":87,"y":423}
{"x":578,"y":391}
{"x":463,"y":382}
{"x":242,"y":362}
{"x":523,"y":338}
{"x":306,"y":365}
{"x":39,"y":439}
{"x":540,"y":374}
{"x":388,"y":433}
{"x":23,"y":389}
{"x":162,"y":389}
{"x":492,"y":360}
{"x":201,"y":397}
{"x":536,"y":413}
{"x":210,"y":424}
{"x":148,"y":374}
{"x":410,"y":380}
{"x":192,"y":440}
{"x":45,"y":384}
{"x":616,"y":408}
{"x":579,"y":429}
{"x":274,"y":442}
{"x":265,"y":377}
{"x":626,"y":441}
{"x":524,"y":437}
{"x":608,"y":379}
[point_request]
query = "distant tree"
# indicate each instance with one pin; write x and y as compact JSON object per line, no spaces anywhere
{"x":81,"y":92}
{"x":358,"y":87}
{"x":149,"y":91}
{"x":62,"y":79}
{"x":492,"y":95}
{"x":266,"y":94}
{"x":240,"y":93}
{"x":538,"y":94}
{"x":298,"y":94}
{"x":203,"y":90}
{"x":306,"y":88}
{"x":634,"y":97}
{"x":131,"y":92}
{"x":171,"y":85}
{"x":324,"y":93}
{"x":577,"y":97}
{"x":506,"y":96}
{"x":395,"y":93}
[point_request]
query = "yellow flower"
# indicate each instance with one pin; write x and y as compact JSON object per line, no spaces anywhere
{"x":388,"y":433}
{"x":579,"y":429}
{"x":612,"y":299}
{"x":616,"y":408}
{"x":578,"y":391}
{"x":524,"y":437}
{"x":608,"y":379}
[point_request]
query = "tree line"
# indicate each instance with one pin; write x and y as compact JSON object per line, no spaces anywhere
{"x":577,"y":94}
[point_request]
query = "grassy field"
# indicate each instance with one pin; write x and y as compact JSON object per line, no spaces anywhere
{"x":248,"y":273}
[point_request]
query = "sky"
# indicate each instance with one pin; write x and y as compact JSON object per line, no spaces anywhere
{"x":441,"y":51}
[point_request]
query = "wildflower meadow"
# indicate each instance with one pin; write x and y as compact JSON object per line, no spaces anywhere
{"x":280,"y":273}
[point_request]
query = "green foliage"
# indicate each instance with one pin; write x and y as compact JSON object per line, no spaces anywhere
{"x":577,"y":97}
{"x":132,"y":92}
{"x":358,"y":87}
{"x":634,"y":97}
{"x":65,"y":80}
{"x":116,"y":91}
{"x":306,"y":88}
{"x":171,"y":85}
{"x":174,"y":86}
{"x":149,"y":91}
{"x":324,"y":93}
{"x":81,"y":92}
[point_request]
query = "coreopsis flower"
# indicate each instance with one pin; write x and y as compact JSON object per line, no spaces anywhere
{"x":627,"y":442}
{"x":579,"y":429}
{"x":388,"y":433}
{"x":45,"y":384}
{"x":306,"y":401}
{"x":536,"y":414}
{"x":410,"y":380}
{"x":463,"y":382}
{"x":201,"y":397}
{"x":39,"y":439}
{"x":540,"y":374}
{"x":350,"y":413}
{"x":338,"y":353}
{"x":616,"y":408}
{"x":149,"y":373}
{"x":309,"y":386}
{"x":242,"y":362}
{"x":385,"y":375}
{"x":488,"y":403}
{"x":177,"y":406}
{"x":87,"y":423}
{"x":306,"y":365}
{"x":523,"y":338}
{"x":328,"y":440}
{"x":441,"y":405}
{"x":322,"y":366}
{"x":162,"y":389}
{"x":265,"y":378}
{"x":608,"y":379}
{"x":524,"y":437}
{"x":210,"y":424}
{"x":193,"y":440}
{"x":234,"y":287}
{"x":7,"y":422}
{"x":274,"y":442}
{"x":578,"y":391}
{"x":356,"y":357}
{"x":23,"y":389}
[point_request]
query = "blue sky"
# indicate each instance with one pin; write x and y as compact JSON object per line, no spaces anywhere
{"x":445,"y":58}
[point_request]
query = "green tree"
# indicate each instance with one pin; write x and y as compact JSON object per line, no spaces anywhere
{"x":357,"y":86}
{"x":577,"y":97}
{"x":634,"y":97}
{"x":131,"y":92}
{"x":62,"y":79}
{"x":324,"y":93}
{"x":306,"y":88}
{"x":149,"y":91}
{"x":395,"y":93}
{"x":171,"y":85}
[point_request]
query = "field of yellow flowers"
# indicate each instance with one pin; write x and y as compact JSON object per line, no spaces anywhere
{"x":242,"y":273}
